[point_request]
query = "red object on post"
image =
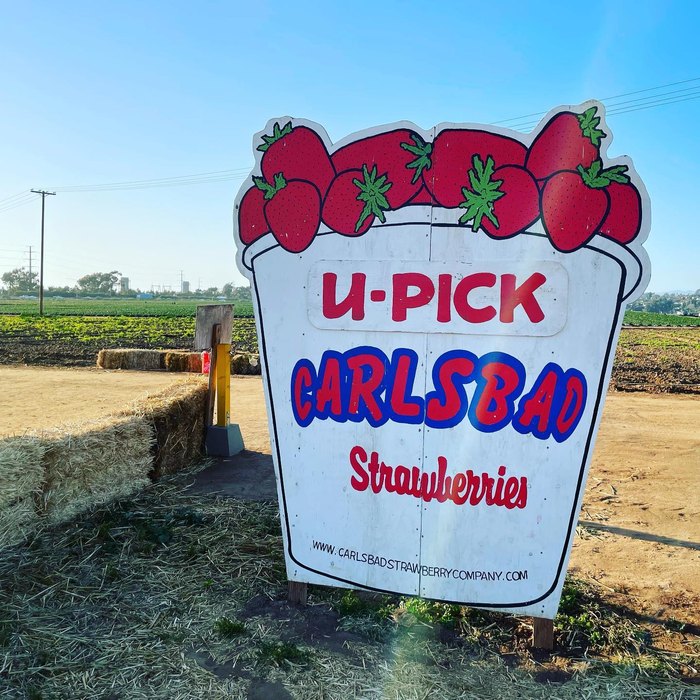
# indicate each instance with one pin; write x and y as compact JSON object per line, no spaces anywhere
{"x":206,"y":362}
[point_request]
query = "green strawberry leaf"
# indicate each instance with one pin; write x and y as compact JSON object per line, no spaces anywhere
{"x":597,"y":178}
{"x":372,"y":190}
{"x":270,"y":191}
{"x":589,"y":122}
{"x":422,"y":151}
{"x":480,"y":199}
{"x":277,"y":134}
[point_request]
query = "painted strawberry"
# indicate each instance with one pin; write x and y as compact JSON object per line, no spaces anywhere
{"x":298,"y":153}
{"x":292,"y":211}
{"x":574,"y":204}
{"x":624,"y":219}
{"x":355,"y":197}
{"x":388,"y":153}
{"x":566,"y":141}
{"x":444,"y":164}
{"x":503,"y":202}
{"x":423,"y":197}
{"x":251,"y":216}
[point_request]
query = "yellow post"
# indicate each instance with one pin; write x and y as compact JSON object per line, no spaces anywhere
{"x":223,"y":384}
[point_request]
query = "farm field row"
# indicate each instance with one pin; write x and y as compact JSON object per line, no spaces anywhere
{"x":647,"y":359}
{"x":242,"y":309}
{"x":118,"y":307}
{"x":76,"y":340}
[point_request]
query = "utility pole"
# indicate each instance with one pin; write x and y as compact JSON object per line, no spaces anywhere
{"x":181,"y":278}
{"x":30,"y":262}
{"x":43,"y":194}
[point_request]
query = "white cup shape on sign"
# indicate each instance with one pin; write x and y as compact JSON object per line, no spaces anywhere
{"x":433,"y":390}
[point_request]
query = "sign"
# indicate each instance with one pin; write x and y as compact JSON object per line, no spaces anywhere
{"x":209,"y":316}
{"x":437,"y":315}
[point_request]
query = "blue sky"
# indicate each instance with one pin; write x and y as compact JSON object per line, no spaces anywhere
{"x":98,"y":93}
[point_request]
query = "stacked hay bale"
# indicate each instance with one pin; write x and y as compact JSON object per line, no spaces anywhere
{"x":49,"y":476}
{"x":177,"y":418}
{"x":93,"y":463}
{"x":146,"y":360}
{"x":130,"y":359}
{"x":177,"y":361}
{"x":21,"y":477}
{"x":245,"y":363}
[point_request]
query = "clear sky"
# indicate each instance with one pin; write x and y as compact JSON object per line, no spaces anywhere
{"x":95,"y":93}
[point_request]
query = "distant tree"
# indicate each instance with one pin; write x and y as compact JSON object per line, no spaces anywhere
{"x":227,"y":290}
{"x":211,"y":291}
{"x":241,"y":294}
{"x":661,"y":304}
{"x":20,"y":281}
{"x":99,"y":282}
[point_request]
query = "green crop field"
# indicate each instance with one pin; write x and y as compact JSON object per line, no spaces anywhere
{"x":646,"y":318}
{"x":75,"y":340}
{"x":117,"y":307}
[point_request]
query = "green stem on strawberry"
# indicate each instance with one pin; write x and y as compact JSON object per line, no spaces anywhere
{"x":277,"y":134}
{"x":596,"y":177}
{"x":372,"y":191}
{"x":589,"y":125}
{"x":270,"y":190}
{"x":422,"y":151}
{"x":480,"y":199}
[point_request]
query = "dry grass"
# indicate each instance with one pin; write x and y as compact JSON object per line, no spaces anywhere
{"x":170,"y":595}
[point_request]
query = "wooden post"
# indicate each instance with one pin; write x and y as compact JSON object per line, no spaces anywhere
{"x":223,"y":384}
{"x":215,"y":337}
{"x":297,"y":593}
{"x":542,"y":633}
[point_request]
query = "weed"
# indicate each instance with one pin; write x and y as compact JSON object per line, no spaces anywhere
{"x":228,"y":628}
{"x":281,"y":653}
{"x":351,"y":604}
{"x":433,"y":613}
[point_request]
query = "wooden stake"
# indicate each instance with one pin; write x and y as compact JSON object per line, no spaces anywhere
{"x":542,"y":633}
{"x":215,"y":337}
{"x":223,"y":384}
{"x":297,"y":593}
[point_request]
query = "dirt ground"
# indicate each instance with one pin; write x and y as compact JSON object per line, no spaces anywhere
{"x":44,"y":397}
{"x":639,"y":530}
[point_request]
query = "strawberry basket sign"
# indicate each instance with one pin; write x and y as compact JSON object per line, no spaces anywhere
{"x":437,"y":313}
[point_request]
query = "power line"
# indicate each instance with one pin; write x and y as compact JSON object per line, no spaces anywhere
{"x":18,"y":202}
{"x":175,"y":181}
{"x":605,"y":99}
{"x":525,"y":126}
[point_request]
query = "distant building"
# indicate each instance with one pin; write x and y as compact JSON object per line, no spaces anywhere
{"x":185,"y":287}
{"x":124,"y":285}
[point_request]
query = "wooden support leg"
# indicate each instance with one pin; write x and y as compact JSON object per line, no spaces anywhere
{"x":297,"y":593}
{"x":223,"y":384}
{"x":543,"y":633}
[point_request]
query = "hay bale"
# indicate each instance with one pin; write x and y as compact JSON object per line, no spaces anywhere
{"x":21,"y":469}
{"x":254,"y":364}
{"x":177,"y":361}
{"x":17,"y":521}
{"x":93,"y":463}
{"x":194,"y":362}
{"x":176,"y":416}
{"x":240,"y":364}
{"x":121,"y":358}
